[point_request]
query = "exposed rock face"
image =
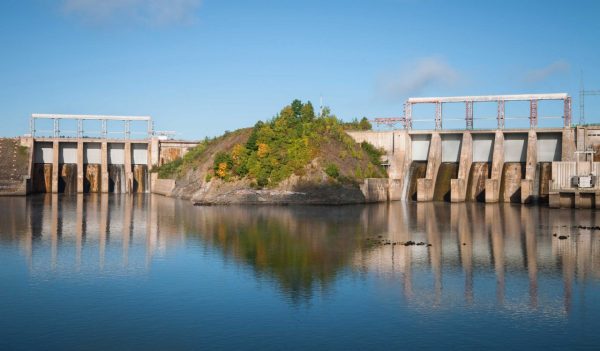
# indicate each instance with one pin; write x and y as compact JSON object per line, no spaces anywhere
{"x":296,"y":191}
{"x":311,"y":185}
{"x":92,"y":182}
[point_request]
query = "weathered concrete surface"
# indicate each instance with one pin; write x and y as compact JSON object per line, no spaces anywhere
{"x":397,"y":145}
{"x":568,"y":145}
{"x":426,"y":186}
{"x":128,"y":169}
{"x":399,"y":165}
{"x":527,"y":190}
{"x":80,"y":167}
{"x":55,"y":169}
{"x":510,"y":183}
{"x":477,"y":177}
{"x":458,"y":186}
{"x":161,"y":186}
{"x":93,"y":178}
{"x":104,"y":167}
{"x":375,"y":189}
{"x":492,"y":185}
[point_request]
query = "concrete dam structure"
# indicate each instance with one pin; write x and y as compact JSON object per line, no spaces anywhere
{"x":79,"y":163}
{"x":521,"y":165}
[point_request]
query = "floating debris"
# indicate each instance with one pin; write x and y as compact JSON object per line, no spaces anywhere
{"x":562,"y":237}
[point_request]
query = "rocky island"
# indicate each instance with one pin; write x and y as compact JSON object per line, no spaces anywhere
{"x":296,"y":157}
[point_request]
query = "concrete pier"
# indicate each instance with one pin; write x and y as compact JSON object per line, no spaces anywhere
{"x":55,"y":157}
{"x":459,"y":185}
{"x":426,"y":186}
{"x":527,"y":190}
{"x":104,"y":167}
{"x":80,"y":166}
{"x":492,"y":185}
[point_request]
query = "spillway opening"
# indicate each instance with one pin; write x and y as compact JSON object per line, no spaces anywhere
{"x":116,"y":179}
{"x":67,"y":179}
{"x":446,"y":172}
{"x":479,"y":172}
{"x":510,"y":184}
{"x":417,"y":170}
{"x":42,"y":178}
{"x":544,"y":176}
{"x":92,"y":180}
{"x":140,"y":176}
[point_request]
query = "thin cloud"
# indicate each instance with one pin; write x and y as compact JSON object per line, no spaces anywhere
{"x":414,"y":78}
{"x":539,"y":75}
{"x":156,"y":12}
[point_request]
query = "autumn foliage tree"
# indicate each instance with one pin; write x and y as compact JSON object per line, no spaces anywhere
{"x":284,"y":145}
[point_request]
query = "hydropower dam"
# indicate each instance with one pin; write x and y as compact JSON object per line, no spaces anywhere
{"x":557,"y":165}
{"x":105,"y":160}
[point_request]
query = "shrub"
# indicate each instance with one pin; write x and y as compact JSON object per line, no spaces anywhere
{"x":332,"y":171}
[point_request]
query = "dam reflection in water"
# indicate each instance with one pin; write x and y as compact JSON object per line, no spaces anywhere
{"x":476,"y":251}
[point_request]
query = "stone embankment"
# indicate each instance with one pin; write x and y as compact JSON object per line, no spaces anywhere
{"x":14,"y":167}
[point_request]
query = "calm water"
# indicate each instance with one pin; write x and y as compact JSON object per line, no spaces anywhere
{"x":143,"y":272}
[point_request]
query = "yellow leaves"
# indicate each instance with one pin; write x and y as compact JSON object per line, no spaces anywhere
{"x":263,"y":150}
{"x":237,"y":151}
{"x":222,"y":170}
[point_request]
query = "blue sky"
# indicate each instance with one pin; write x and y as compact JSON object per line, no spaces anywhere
{"x":203,"y":67}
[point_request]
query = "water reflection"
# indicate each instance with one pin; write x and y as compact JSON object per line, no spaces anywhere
{"x":504,"y":255}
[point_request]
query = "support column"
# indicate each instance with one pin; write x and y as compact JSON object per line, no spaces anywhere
{"x":458,"y":187}
{"x":527,"y":190}
{"x":408,"y":116}
{"x":438,"y":116}
{"x":568,"y":145}
{"x":501,"y":114}
{"x":154,"y":152}
{"x":128,"y":168}
{"x":55,"y":165}
{"x":469,"y":114}
{"x":492,"y":185}
{"x":80,"y":166}
{"x":426,"y":186}
{"x":149,"y":179}
{"x":567,"y":117}
{"x":398,"y":161}
{"x":533,"y":114}
{"x":104,"y":166}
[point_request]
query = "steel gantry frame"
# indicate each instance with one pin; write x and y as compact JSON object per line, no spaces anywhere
{"x":469,"y":101}
{"x":104,"y":119}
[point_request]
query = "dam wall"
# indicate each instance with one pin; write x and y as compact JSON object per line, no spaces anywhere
{"x":502,"y":165}
{"x":83,"y":165}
